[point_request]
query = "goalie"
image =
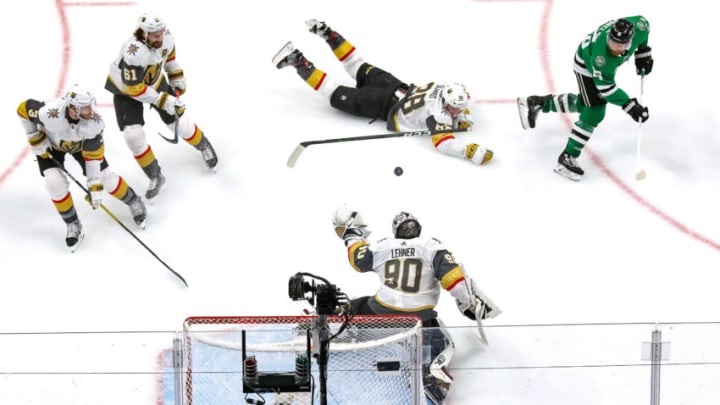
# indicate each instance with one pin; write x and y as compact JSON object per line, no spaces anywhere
{"x":412,"y":271}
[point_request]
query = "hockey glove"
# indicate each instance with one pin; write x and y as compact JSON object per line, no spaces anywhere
{"x":643,"y":61}
{"x":40,"y":144}
{"x":169,"y":104}
{"x":470,"y":310}
{"x":96,"y":189}
{"x":464,"y":125}
{"x":638,"y":112}
{"x":177,"y":81}
{"x":349,"y":224}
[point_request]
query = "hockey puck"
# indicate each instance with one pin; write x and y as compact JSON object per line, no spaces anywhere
{"x":398,"y":171}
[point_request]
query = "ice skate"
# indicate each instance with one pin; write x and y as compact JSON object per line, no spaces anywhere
{"x":567,"y":166}
{"x":529,"y":108}
{"x":74,"y":235}
{"x":287,"y":56}
{"x":138,"y":211}
{"x":319,"y":28}
{"x":154,"y":186}
{"x":209,"y":156}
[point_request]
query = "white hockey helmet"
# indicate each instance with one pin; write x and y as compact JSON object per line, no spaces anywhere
{"x":151,"y":22}
{"x":455,"y":96}
{"x":406,"y":226}
{"x":79,"y":98}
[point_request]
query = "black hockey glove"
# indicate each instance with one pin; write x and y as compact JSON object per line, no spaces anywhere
{"x":638,"y":112}
{"x":643,"y":61}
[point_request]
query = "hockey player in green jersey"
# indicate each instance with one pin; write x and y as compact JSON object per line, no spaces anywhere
{"x":597,"y":59}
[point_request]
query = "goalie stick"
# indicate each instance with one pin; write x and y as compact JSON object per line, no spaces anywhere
{"x":478,"y":330}
{"x":302,"y":145}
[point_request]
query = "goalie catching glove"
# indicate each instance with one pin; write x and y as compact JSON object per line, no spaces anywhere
{"x":349,"y":224}
{"x":474,"y":303}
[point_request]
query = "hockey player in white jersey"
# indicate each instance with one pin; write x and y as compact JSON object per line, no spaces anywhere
{"x":71,"y":125}
{"x":136,"y":78}
{"x":412,"y":272}
{"x":380,"y":95}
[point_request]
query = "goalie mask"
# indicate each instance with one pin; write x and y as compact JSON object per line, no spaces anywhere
{"x":406,"y":226}
{"x":151,"y":29}
{"x":455,"y":98}
{"x":80,"y":101}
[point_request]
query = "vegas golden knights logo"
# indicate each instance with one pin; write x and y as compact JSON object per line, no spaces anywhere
{"x":70,"y":146}
{"x":152,"y":74}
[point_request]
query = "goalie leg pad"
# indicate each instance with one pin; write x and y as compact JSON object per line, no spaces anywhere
{"x":442,"y":350}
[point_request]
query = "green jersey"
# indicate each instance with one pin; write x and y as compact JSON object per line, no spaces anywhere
{"x":593,"y":57}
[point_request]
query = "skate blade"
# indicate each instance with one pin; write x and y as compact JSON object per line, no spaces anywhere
{"x":286,"y":50}
{"x":523,"y":111}
{"x":74,"y":247}
{"x":563,"y":171}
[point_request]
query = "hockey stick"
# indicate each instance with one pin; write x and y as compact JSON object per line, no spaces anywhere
{"x":176,"y":138}
{"x":302,"y":145}
{"x":479,"y":330}
{"x":116,"y":219}
{"x":639,"y":171}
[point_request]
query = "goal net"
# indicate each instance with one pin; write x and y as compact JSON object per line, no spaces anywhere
{"x":374,"y":360}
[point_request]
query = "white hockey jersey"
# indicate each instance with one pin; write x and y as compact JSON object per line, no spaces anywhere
{"x":422,"y":109}
{"x":65,"y":134}
{"x":411,"y":271}
{"x":138,"y":69}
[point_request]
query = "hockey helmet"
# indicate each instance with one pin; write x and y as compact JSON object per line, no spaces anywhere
{"x":622,"y":32}
{"x":455,"y":96}
{"x":151,"y":22}
{"x":406,"y":226}
{"x":80,"y":100}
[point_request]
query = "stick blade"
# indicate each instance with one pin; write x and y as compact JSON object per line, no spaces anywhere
{"x":478,"y":330}
{"x":295,"y":155}
{"x":640,"y":175}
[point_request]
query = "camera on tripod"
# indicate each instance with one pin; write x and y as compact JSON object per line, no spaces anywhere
{"x":327,"y":299}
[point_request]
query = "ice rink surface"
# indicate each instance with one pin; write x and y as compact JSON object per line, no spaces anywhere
{"x":608,"y":249}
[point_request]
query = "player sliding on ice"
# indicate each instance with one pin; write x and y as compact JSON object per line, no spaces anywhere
{"x":380,"y":95}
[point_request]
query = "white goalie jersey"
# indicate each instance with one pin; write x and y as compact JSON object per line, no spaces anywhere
{"x":411,"y":271}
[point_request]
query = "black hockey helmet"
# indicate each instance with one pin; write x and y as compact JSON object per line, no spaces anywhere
{"x":406,"y":226}
{"x":622,"y":32}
